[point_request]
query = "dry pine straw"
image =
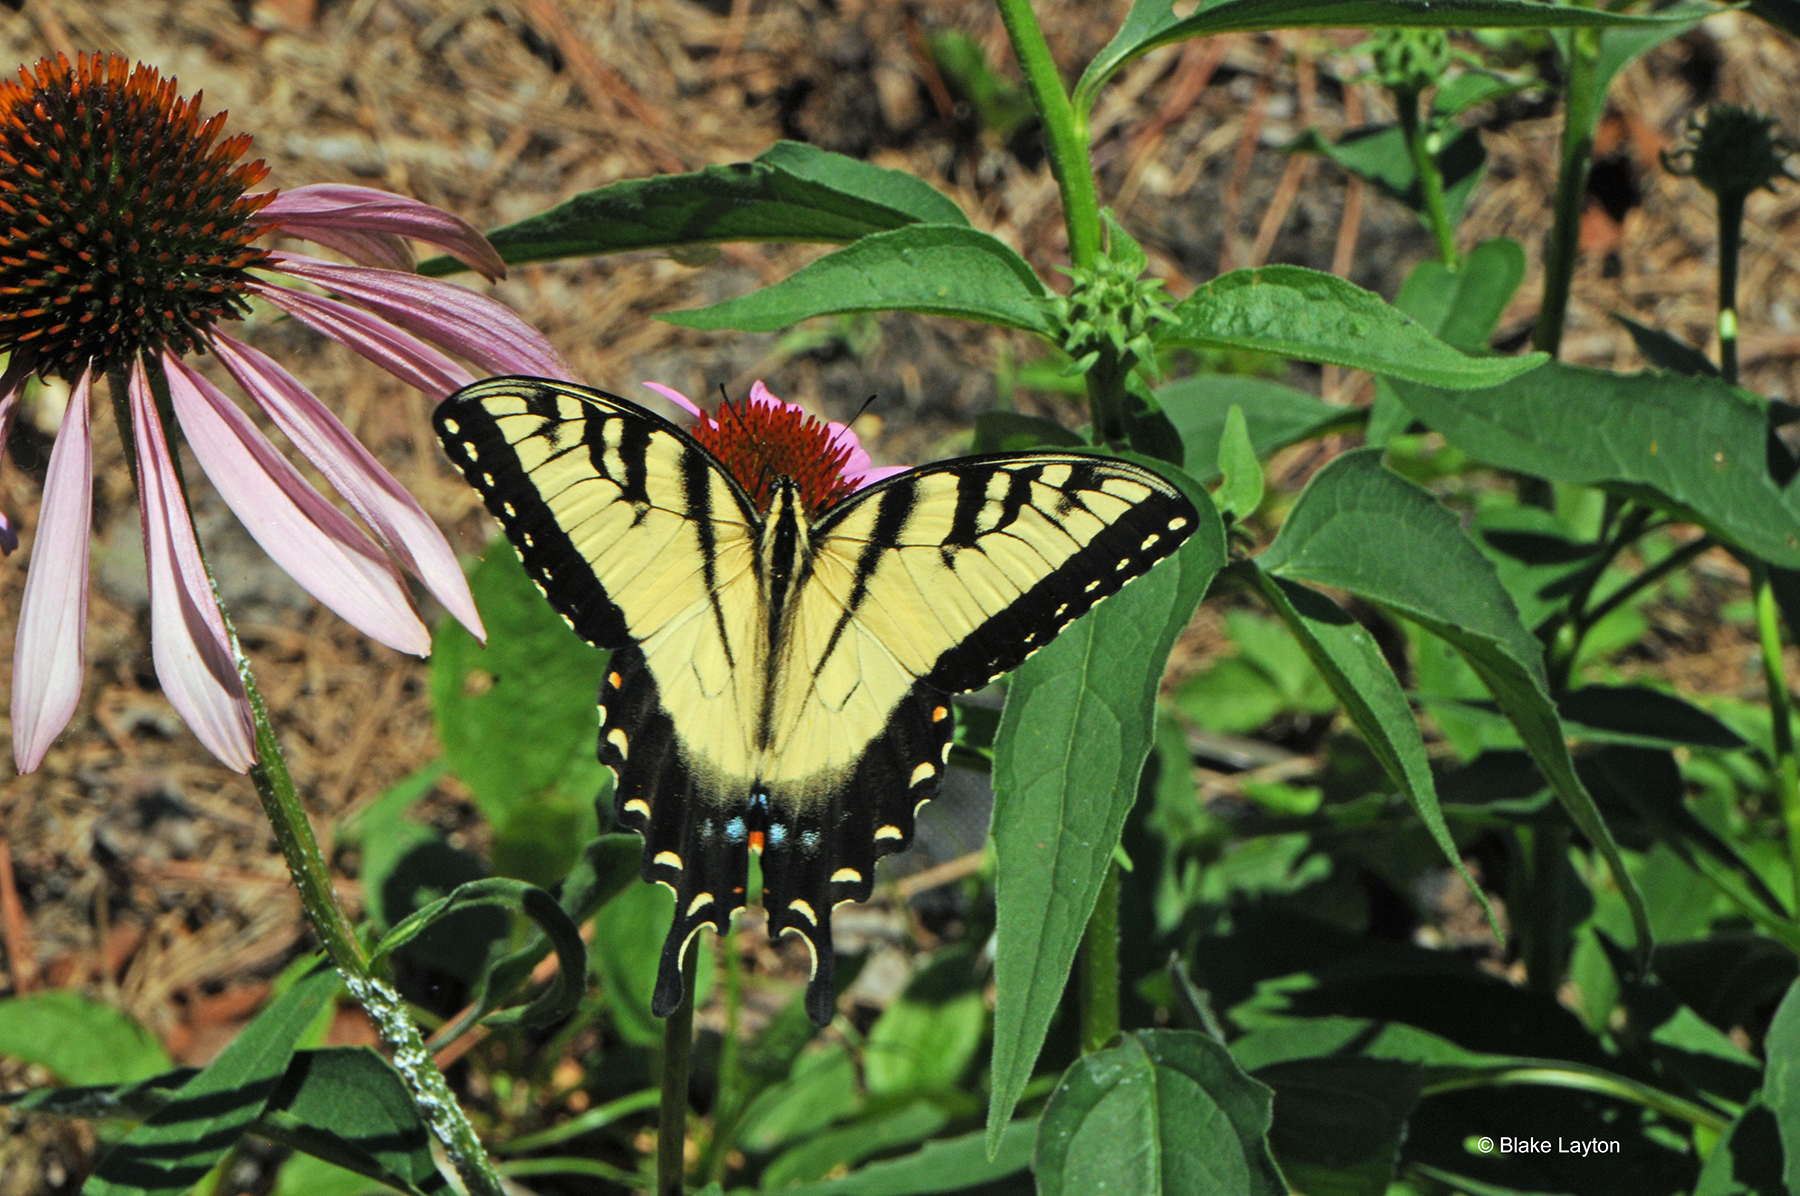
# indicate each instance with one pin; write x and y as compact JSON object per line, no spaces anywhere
{"x":143,"y":867}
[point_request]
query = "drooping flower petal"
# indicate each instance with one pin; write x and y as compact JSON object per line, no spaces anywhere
{"x":450,"y":317}
{"x":51,"y":649}
{"x":312,"y":541}
{"x":187,"y":634}
{"x":401,"y":354}
{"x":12,"y":385}
{"x":396,"y":518}
{"x":676,"y":397}
{"x":368,"y":226}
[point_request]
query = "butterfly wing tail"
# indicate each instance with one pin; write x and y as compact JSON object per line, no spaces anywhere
{"x":685,"y":846}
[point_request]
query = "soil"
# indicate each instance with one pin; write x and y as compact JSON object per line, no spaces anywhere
{"x":143,"y":872}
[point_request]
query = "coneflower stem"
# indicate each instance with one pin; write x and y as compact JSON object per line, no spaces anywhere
{"x":1787,"y":765}
{"x":1100,"y":968}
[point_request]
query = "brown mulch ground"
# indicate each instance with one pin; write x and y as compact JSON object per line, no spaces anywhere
{"x":144,"y":870}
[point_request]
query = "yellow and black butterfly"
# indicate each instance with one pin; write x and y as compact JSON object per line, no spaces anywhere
{"x":781,"y":669}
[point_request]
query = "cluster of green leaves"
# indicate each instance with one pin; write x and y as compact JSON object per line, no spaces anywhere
{"x":1249,"y":1034}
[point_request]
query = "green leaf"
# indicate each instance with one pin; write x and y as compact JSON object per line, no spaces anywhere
{"x":304,"y":1175}
{"x":516,"y":719}
{"x":1241,"y":490}
{"x":1351,"y":663}
{"x":851,"y":1144}
{"x":1313,"y":316}
{"x":1008,"y":431}
{"x":1692,"y":446}
{"x":385,"y":835}
{"x":1666,"y":352}
{"x":946,"y":1165}
{"x":1462,"y":304}
{"x":792,"y":192}
{"x":564,"y":994}
{"x":1781,"y":1080}
{"x":1275,"y":415}
{"x":1456,"y":96}
{"x":821,"y":1090}
{"x":1339,"y":1121}
{"x":1153,"y":23}
{"x":933,"y":269}
{"x":1380,"y":155}
{"x":926,"y":1040}
{"x":1165,"y":1111}
{"x":348,"y":1106}
{"x":1079,"y":721}
{"x":181,"y":1142}
{"x":1362,"y":528}
{"x":1748,"y":1160}
{"x":628,"y":937}
{"x":1645,"y":717}
{"x":77,"y":1039}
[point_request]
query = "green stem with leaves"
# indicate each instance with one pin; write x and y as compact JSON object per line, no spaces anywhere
{"x":1422,"y":140}
{"x":1781,"y":715}
{"x":1099,"y":976}
{"x":1582,"y":96}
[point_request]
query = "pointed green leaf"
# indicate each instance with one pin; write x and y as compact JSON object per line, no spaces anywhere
{"x":1461,"y":304}
{"x":1347,"y":656}
{"x":1313,"y":316}
{"x":1692,"y":446}
{"x":946,"y":1165}
{"x":180,"y":1142}
{"x":1379,"y":154}
{"x":1153,"y":23}
{"x":556,"y":1002}
{"x":1241,"y":490}
{"x":1275,"y":415}
{"x":1362,"y":528}
{"x":933,"y":269}
{"x":78,"y":1039}
{"x":1665,"y":351}
{"x":1079,"y":721}
{"x":1781,"y":1080}
{"x":792,"y":192}
{"x":348,"y":1106}
{"x":1164,"y":1113}
{"x":1748,"y":1160}
{"x":1339,"y":1121}
{"x":851,"y":1144}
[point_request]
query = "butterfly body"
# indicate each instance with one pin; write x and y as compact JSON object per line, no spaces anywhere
{"x":781,"y":676}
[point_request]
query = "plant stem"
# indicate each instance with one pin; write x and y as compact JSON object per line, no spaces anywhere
{"x":1648,"y":577}
{"x":1422,"y":139}
{"x":1544,"y":940}
{"x":1064,"y":131}
{"x":1731,"y":225}
{"x":1106,"y":399}
{"x":678,"y":1047}
{"x":1787,"y":767}
{"x":1580,"y":108}
{"x":1100,"y":968}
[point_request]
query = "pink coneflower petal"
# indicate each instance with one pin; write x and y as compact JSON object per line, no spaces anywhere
{"x":51,"y":649}
{"x":396,"y":518}
{"x":12,"y":385}
{"x":401,"y":354}
{"x":370,"y":226}
{"x":312,"y":541}
{"x":676,"y":397}
{"x":450,"y":317}
{"x":187,"y":634}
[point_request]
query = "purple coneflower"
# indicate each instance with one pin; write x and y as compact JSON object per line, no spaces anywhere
{"x":763,"y":438}
{"x":126,"y":230}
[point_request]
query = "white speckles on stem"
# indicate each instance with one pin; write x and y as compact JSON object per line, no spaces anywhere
{"x":426,"y":1084}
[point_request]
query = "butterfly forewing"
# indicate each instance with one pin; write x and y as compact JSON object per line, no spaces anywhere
{"x":822,"y":727}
